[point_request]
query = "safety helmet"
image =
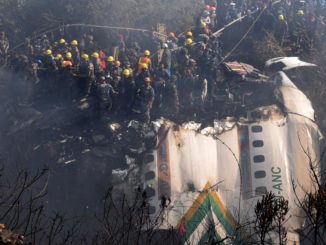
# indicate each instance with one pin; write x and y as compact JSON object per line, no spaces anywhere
{"x":117,"y":63}
{"x":68,"y":55}
{"x":171,"y":35}
{"x":189,"y":34}
{"x":95,"y":55}
{"x":58,"y":56}
{"x":207,"y":7}
{"x":48,"y":52}
{"x":165,"y":45}
{"x":66,"y":64}
{"x":202,"y":24}
{"x":126,"y":72}
{"x":206,"y":13}
{"x":300,"y":12}
{"x":212,"y":8}
{"x":144,"y":66}
{"x":188,"y":41}
{"x":110,"y":59}
{"x":147,"y":79}
{"x":62,"y":41}
{"x":74,"y":43}
{"x":85,"y":57}
{"x":147,"y":52}
{"x":281,"y":17}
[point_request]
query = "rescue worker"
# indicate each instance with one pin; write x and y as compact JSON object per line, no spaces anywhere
{"x":166,"y":59}
{"x":145,"y":96}
{"x":182,"y":57}
{"x":86,"y":76}
{"x":281,"y":29}
{"x":109,"y":65}
{"x":141,"y":76}
{"x":127,"y":66}
{"x":104,"y":93}
{"x":58,"y":60}
{"x":145,"y":60}
{"x":117,"y":70}
{"x":299,"y":31}
{"x":75,"y":53}
{"x":203,"y":29}
{"x":62,"y":47}
{"x":170,"y":99}
{"x":68,"y":57}
{"x":68,"y":84}
{"x":98,"y":71}
{"x":127,"y":92}
{"x":49,"y":63}
{"x":102,"y":59}
{"x":162,"y":72}
{"x":172,"y":41}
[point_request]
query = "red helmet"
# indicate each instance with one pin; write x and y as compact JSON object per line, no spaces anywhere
{"x":171,"y":35}
{"x":67,"y":64}
{"x":207,"y":7}
{"x":212,"y":8}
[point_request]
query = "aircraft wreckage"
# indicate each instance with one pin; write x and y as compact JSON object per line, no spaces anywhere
{"x":219,"y":172}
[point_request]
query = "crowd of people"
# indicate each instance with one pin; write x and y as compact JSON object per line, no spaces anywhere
{"x":183,"y":77}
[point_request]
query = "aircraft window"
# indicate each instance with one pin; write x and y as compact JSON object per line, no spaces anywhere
{"x":150,"y":192}
{"x":258,"y":143}
{"x":256,"y":129}
{"x":148,"y":158}
{"x":261,"y":190}
{"x":152,"y":210}
{"x":150,"y":175}
{"x":259,"y":158}
{"x":260,"y":174}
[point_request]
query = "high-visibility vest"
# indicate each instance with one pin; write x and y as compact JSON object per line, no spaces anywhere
{"x":143,"y":60}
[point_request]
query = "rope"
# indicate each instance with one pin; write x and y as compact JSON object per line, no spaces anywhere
{"x":243,"y":37}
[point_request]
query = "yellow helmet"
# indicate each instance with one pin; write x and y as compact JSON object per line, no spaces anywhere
{"x":85,"y":57}
{"x":74,"y":43}
{"x":144,"y":66}
{"x":188,"y":41}
{"x":58,"y":56}
{"x":62,"y":41}
{"x":68,"y":55}
{"x":300,"y":12}
{"x":147,"y":52}
{"x":189,"y":34}
{"x":126,"y":72}
{"x":281,"y":17}
{"x":95,"y":55}
{"x":202,"y":24}
{"x":48,"y":52}
{"x":110,"y":59}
